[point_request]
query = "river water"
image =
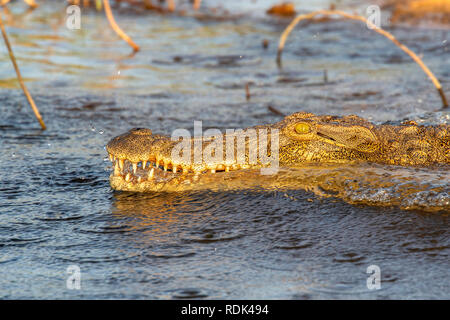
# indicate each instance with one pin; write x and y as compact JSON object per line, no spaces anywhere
{"x":57,"y":209}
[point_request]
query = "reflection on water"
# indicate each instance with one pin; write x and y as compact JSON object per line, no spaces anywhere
{"x":57,"y":209}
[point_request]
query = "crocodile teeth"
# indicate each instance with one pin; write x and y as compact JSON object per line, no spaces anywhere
{"x":174,"y":169}
{"x":134,"y":167}
{"x":128,"y":177}
{"x":116,"y":169}
{"x":151,"y":173}
{"x":139,"y":179}
{"x":111,"y":157}
{"x":121,"y":164}
{"x":144,"y":164}
{"x":227,"y":169}
{"x":213,"y":170}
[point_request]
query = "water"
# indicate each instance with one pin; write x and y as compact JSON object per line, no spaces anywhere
{"x":57,"y":209}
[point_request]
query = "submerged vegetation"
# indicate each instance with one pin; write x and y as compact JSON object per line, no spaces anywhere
{"x":372,"y":26}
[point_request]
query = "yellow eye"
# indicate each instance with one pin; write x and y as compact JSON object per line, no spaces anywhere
{"x":302,"y":128}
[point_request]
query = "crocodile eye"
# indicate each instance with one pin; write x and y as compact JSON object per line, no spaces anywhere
{"x":302,"y":128}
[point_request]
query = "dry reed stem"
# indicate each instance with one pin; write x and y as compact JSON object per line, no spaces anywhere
{"x":116,"y":28}
{"x":19,"y":77}
{"x":247,"y":91}
{"x":31,"y":3}
{"x":171,"y":5}
{"x":276,"y":111}
{"x":388,"y":35}
{"x":98,"y":5}
{"x":197,"y":4}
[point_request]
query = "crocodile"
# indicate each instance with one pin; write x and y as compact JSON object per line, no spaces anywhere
{"x":145,"y":162}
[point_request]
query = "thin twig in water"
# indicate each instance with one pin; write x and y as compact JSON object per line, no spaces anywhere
{"x":197,"y":4}
{"x":116,"y":28}
{"x":19,"y":77}
{"x":375,"y":28}
{"x":247,"y":91}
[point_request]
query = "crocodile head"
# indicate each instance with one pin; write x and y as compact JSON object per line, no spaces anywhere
{"x":144,"y":161}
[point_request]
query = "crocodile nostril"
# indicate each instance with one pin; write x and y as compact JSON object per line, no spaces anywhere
{"x":141,"y":131}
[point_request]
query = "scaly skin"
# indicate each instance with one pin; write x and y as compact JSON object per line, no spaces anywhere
{"x":143,"y":161}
